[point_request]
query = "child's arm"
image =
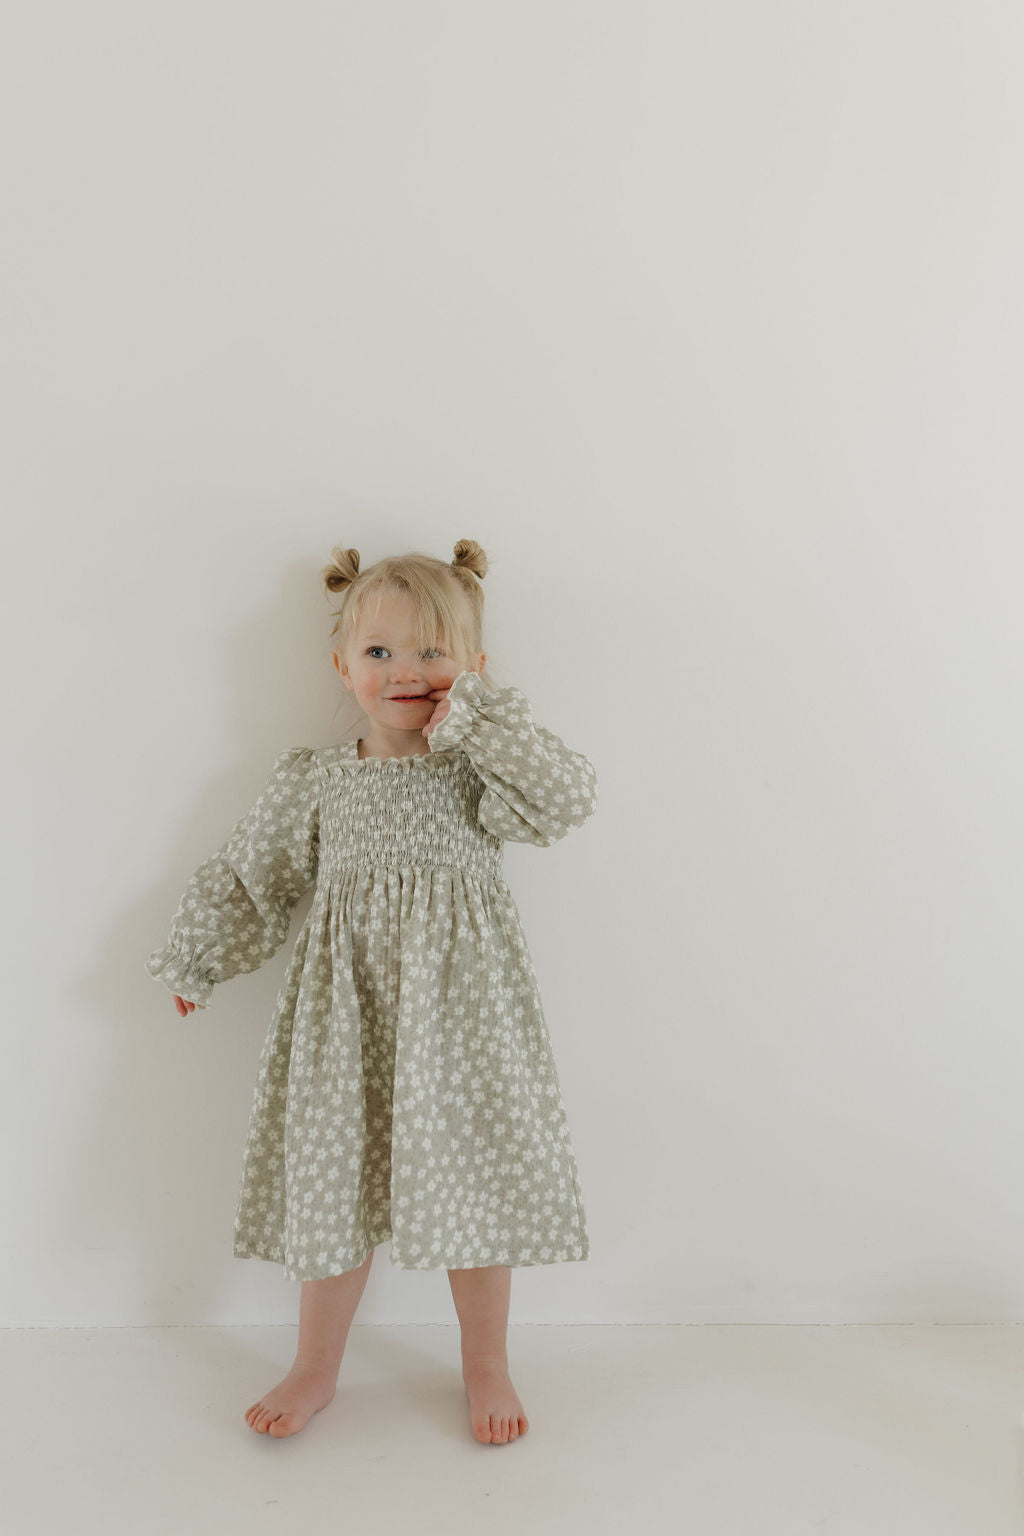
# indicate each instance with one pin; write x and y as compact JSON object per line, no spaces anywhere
{"x":537,"y":788}
{"x":236,"y":908}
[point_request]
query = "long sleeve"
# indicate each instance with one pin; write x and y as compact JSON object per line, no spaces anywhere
{"x":236,"y":909}
{"x":537,"y":788}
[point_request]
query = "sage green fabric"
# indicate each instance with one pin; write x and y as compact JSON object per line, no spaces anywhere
{"x":407,"y":1088}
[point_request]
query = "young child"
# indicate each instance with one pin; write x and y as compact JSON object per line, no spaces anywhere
{"x":407,"y":1088}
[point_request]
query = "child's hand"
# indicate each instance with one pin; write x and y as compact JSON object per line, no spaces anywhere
{"x":442,"y":707}
{"x":183,"y":1005}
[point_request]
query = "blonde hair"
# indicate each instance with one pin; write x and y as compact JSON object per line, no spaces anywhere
{"x":446,"y":596}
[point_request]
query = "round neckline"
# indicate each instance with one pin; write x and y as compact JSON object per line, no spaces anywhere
{"x":408,"y":757}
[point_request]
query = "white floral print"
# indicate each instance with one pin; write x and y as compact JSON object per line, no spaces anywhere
{"x":407,"y":1088}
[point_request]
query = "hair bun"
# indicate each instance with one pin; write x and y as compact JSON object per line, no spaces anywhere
{"x":343,"y":569}
{"x":469,"y":556}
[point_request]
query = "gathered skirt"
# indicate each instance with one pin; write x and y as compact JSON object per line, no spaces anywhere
{"x":407,"y":1088}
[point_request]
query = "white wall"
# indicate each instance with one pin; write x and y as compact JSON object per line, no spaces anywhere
{"x":706,"y":321}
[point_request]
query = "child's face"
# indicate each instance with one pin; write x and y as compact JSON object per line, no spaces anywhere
{"x":383,"y":661}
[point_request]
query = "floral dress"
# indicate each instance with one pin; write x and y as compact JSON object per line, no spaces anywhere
{"x":407,"y":1088}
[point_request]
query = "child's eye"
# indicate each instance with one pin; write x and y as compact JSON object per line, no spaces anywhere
{"x":384,"y":648}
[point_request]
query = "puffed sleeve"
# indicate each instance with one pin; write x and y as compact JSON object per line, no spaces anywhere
{"x":235,"y":910}
{"x":537,"y":788}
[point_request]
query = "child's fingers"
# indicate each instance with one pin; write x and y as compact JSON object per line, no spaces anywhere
{"x":438,"y":715}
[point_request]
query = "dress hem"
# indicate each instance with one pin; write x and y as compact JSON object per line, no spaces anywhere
{"x":524,"y":1258}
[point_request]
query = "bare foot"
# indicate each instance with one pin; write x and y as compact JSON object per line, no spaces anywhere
{"x":285,"y":1409}
{"x":495,"y":1411}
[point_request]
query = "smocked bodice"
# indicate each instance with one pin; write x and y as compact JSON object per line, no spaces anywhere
{"x":401,"y":812}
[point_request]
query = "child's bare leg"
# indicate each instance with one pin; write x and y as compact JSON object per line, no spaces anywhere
{"x":326,"y":1310}
{"x":481,"y":1299}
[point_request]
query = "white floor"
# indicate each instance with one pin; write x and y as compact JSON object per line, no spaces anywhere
{"x":713,"y":1431}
